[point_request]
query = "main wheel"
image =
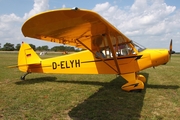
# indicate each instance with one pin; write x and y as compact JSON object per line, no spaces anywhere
{"x":136,"y":86}
{"x":141,"y":78}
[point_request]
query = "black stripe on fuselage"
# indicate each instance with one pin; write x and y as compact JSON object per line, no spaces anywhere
{"x":137,"y":57}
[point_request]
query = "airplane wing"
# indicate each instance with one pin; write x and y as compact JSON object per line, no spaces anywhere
{"x":80,"y":28}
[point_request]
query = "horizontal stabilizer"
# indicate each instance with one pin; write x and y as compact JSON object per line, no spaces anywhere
{"x":15,"y":66}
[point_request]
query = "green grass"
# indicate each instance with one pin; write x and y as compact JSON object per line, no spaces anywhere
{"x":87,"y":97}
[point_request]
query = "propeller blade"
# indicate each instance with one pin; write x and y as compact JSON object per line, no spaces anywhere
{"x":170,"y":46}
{"x":170,"y":49}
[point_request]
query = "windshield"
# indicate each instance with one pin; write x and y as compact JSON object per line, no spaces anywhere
{"x":138,"y":46}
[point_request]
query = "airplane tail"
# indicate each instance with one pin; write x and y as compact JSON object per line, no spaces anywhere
{"x":27,"y":58}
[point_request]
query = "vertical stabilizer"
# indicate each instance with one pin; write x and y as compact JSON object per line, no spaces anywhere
{"x":27,"y":56}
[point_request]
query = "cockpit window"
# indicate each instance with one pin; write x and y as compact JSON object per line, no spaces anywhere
{"x":120,"y":46}
{"x":138,"y":46}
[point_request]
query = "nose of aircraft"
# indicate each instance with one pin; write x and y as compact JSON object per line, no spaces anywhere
{"x":155,"y":57}
{"x":159,"y":57}
{"x":162,"y":56}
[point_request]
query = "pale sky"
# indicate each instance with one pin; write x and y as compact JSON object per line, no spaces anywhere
{"x":152,"y":23}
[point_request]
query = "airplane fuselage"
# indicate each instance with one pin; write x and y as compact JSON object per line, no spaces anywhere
{"x":86,"y":63}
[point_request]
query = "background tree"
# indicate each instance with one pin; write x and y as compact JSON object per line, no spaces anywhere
{"x":42,"y":48}
{"x":33,"y":47}
{"x":18,"y":47}
{"x":55,"y":48}
{"x":8,"y":47}
{"x":45,"y":48}
{"x":64,"y":48}
{"x":61,"y":48}
{"x":39,"y":48}
{"x":69,"y":48}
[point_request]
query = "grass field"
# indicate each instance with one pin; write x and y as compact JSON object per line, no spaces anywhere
{"x":88,"y":97}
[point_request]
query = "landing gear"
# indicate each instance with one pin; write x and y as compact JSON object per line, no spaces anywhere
{"x":135,"y":82}
{"x":24,"y":76}
{"x":136,"y":86}
{"x":141,"y":78}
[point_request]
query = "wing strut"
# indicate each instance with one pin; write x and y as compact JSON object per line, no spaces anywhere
{"x":95,"y":54}
{"x":113,"y":53}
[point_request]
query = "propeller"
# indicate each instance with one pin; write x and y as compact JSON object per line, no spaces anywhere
{"x":170,"y":49}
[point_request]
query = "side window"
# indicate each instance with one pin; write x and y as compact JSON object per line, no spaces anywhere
{"x":99,"y":43}
{"x":125,"y":49}
{"x":121,"y":46}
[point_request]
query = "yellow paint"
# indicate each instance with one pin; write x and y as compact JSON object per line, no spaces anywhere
{"x":108,"y":50}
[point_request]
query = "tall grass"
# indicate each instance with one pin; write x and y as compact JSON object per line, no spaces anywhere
{"x":90,"y":97}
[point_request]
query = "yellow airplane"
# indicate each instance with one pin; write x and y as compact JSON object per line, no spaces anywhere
{"x":108,"y":51}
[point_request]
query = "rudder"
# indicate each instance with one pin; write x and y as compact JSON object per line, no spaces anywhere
{"x":27,"y":56}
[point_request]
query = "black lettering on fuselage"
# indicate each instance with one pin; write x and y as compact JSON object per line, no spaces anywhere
{"x":71,"y":61}
{"x":66,"y":64}
{"x":62,"y":64}
{"x":77,"y":63}
{"x":54,"y":65}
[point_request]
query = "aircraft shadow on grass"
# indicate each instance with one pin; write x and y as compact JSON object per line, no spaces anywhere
{"x":36,"y":80}
{"x":110,"y":102}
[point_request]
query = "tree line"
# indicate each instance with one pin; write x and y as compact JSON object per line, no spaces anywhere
{"x":12,"y":47}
